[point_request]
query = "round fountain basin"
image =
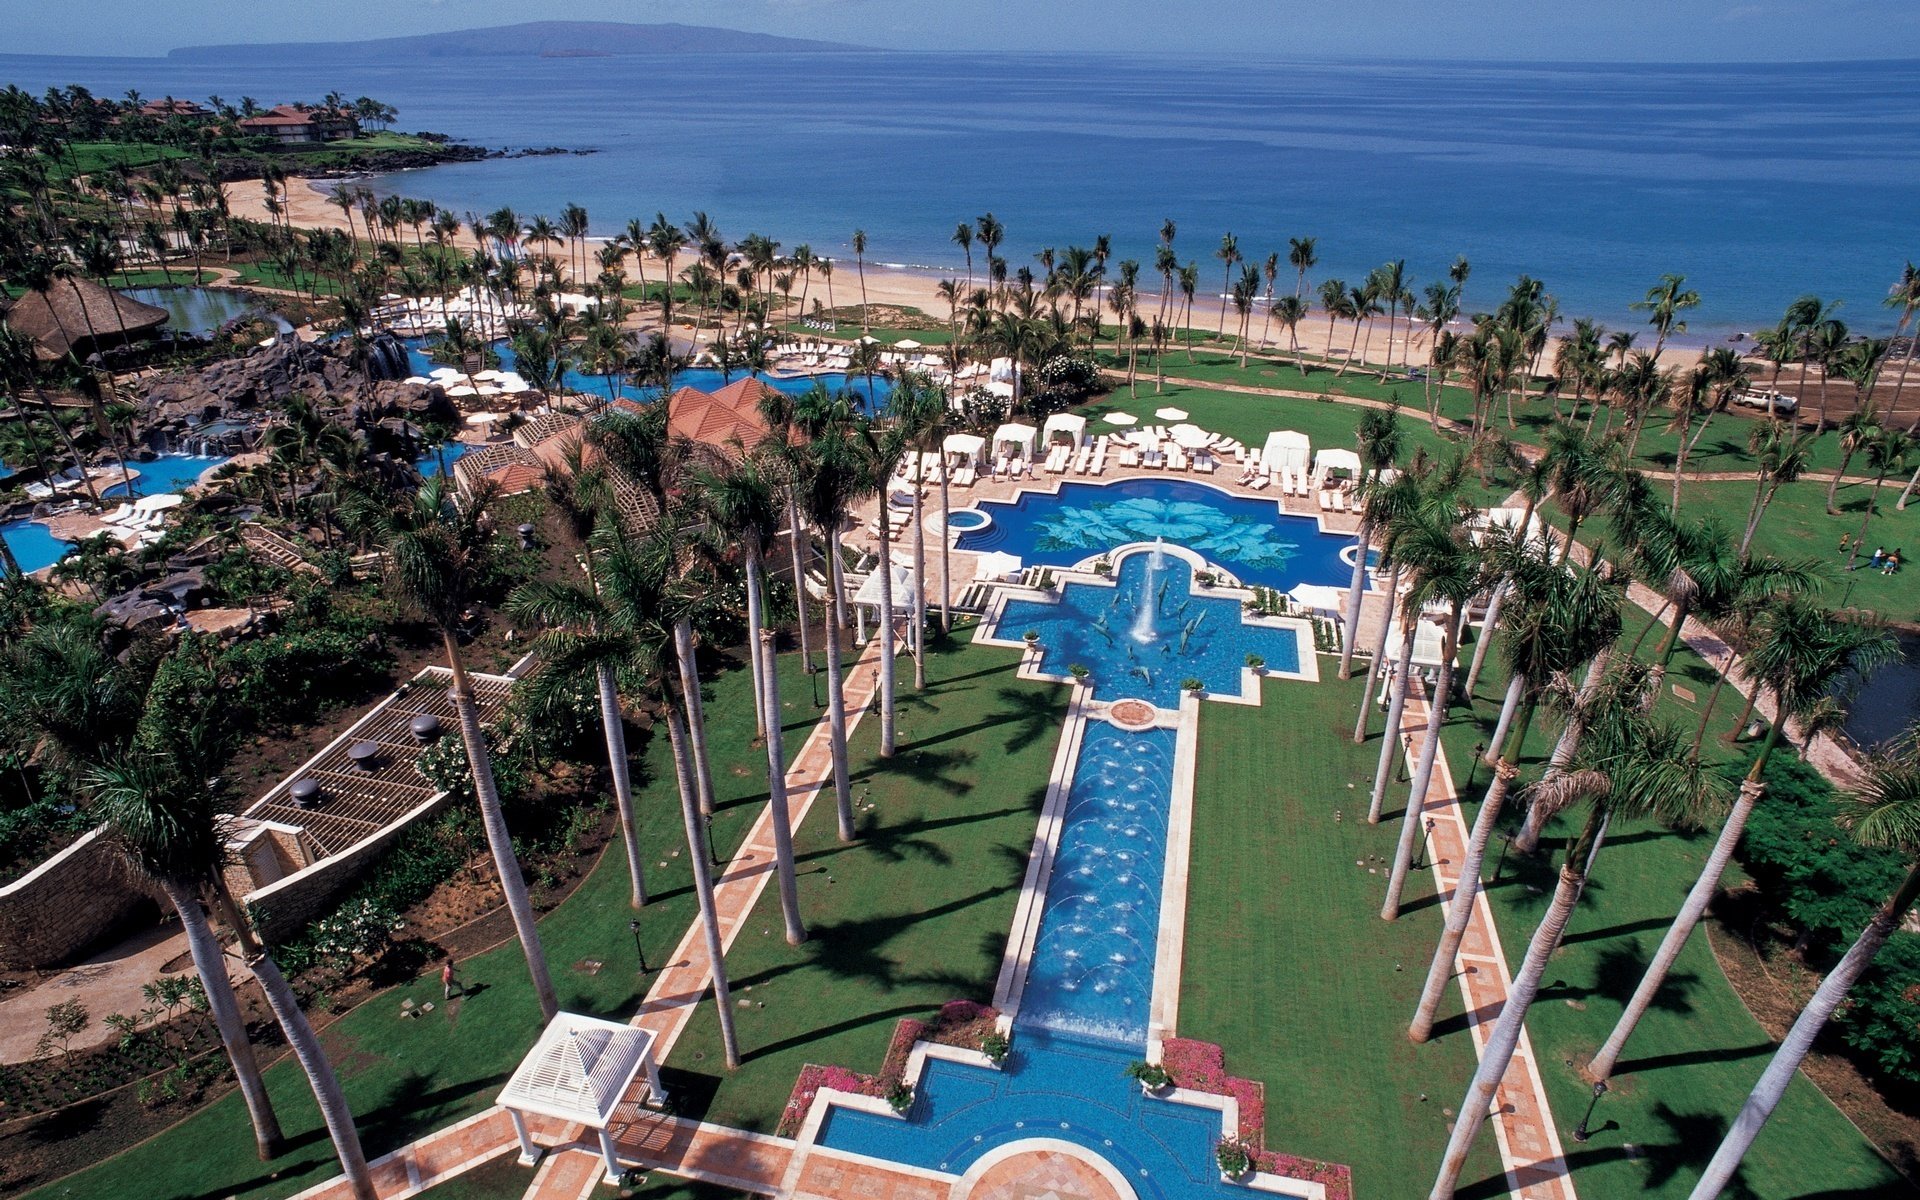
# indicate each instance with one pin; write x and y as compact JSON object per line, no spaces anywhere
{"x":960,"y":520}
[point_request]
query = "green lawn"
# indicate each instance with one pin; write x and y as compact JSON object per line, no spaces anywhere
{"x":269,"y":275}
{"x":913,"y":914}
{"x":1698,"y":1052}
{"x":89,"y":157}
{"x":1288,"y":965}
{"x":406,"y":1078}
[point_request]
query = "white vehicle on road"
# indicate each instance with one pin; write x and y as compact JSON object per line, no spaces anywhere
{"x":1766,"y":399}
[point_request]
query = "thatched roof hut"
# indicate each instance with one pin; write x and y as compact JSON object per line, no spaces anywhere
{"x":80,"y":316}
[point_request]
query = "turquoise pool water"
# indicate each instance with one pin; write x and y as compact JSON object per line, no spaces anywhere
{"x":1092,"y":963}
{"x":167,"y":473}
{"x":33,"y":547}
{"x":1146,"y":635}
{"x":874,"y":392}
{"x":428,"y":464}
{"x":1251,"y":538}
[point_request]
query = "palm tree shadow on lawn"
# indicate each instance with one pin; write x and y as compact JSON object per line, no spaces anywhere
{"x":1692,"y":1137}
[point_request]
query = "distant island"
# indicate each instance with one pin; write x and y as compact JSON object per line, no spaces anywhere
{"x":535,"y":39}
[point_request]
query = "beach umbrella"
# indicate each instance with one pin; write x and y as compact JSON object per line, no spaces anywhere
{"x":1170,"y":414}
{"x":1120,"y":418}
{"x":906,"y":344}
{"x":996,"y":565}
{"x":1190,"y":437}
{"x":870,"y":340}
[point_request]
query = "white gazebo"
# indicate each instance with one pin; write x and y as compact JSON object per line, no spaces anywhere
{"x":1336,"y":460}
{"x":1071,"y":426}
{"x":580,"y":1071}
{"x":970,"y":446}
{"x":1014,"y":438}
{"x":868,"y":599}
{"x":1287,"y":448}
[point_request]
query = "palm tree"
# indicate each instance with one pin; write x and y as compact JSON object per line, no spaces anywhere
{"x":1885,"y":814}
{"x":860,"y":266}
{"x":1634,"y":768}
{"x":1664,"y":303}
{"x":1245,"y":291}
{"x":831,"y":484}
{"x":1887,"y":451}
{"x":1855,"y":429}
{"x":1189,"y":284}
{"x":167,"y":824}
{"x":1229,"y":256}
{"x":20,"y":369}
{"x":438,"y":553}
{"x":1780,"y":455}
{"x":1904,"y":295}
{"x":1387,"y":508}
{"x":1824,"y":343}
{"x":1379,"y":438}
{"x":1801,"y":653}
{"x":1392,"y":280}
{"x":1290,"y":311}
{"x":918,"y":410}
{"x":1302,"y":256}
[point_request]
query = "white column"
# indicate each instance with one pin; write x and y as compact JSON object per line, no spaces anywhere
{"x":607,"y":1155}
{"x":658,"y":1091}
{"x":529,"y":1153}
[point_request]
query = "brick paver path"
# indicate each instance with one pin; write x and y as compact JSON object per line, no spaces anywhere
{"x":1522,"y":1121}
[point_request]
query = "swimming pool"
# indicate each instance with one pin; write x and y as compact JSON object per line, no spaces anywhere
{"x":428,"y":464}
{"x":875,"y":391}
{"x":1251,"y":538}
{"x":32,"y":545}
{"x":167,"y":473}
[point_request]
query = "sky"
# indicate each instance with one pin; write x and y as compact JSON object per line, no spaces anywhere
{"x":1511,"y":30}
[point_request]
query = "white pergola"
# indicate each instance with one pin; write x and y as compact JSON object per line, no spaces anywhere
{"x":868,"y":598}
{"x":580,"y":1071}
{"x":1072,"y":426}
{"x":1016,"y":435}
{"x":1287,"y":448}
{"x":971,"y":446}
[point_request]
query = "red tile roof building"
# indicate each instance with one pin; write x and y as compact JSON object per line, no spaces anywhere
{"x":298,"y":124}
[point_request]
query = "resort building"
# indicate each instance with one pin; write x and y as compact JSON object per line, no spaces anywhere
{"x":169,"y":107}
{"x":80,"y":317}
{"x":298,"y":124}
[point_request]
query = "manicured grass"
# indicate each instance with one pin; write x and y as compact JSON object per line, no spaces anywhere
{"x":913,"y":914}
{"x":89,"y":157}
{"x":1288,"y":964}
{"x":1697,"y":1053}
{"x":269,"y":275}
{"x":406,"y":1078}
{"x":157,"y":278}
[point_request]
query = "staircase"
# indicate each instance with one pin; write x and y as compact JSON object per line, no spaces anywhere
{"x":271,"y":547}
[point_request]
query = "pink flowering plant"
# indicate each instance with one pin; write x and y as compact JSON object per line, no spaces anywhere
{"x":961,"y":1023}
{"x":1202,"y":1067}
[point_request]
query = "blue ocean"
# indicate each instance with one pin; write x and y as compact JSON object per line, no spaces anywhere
{"x":1759,"y":183}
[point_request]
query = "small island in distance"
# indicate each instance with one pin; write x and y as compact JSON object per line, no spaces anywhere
{"x":535,"y":39}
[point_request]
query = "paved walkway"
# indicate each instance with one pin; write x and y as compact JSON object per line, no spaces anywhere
{"x":745,"y":1161}
{"x":1522,"y":1121}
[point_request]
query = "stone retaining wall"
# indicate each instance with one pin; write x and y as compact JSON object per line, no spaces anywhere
{"x":70,"y":904}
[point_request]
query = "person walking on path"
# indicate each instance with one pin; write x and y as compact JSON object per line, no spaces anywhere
{"x":447,"y":981}
{"x":1846,"y":540}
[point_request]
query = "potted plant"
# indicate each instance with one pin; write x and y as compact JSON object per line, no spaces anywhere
{"x":1152,"y":1077}
{"x":1197,"y":686}
{"x":1234,"y":1157}
{"x":900,"y":1097}
{"x":996,"y":1047}
{"x":1101,"y":566}
{"x":1031,"y":637}
{"x":1205,"y":578}
{"x":1079,"y":671}
{"x":1256,"y":664}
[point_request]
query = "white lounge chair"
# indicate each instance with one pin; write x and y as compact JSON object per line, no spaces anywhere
{"x":964,"y":477}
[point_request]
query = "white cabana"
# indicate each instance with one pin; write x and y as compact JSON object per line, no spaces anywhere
{"x":580,"y":1071}
{"x":1071,"y":427}
{"x":1337,"y":460}
{"x":1190,"y":437}
{"x":1001,"y":370}
{"x":1320,"y":600}
{"x":970,"y":446}
{"x":996,"y":565}
{"x":1287,"y":448}
{"x":867,"y":600}
{"x":1014,"y":438}
{"x":1507,"y":518}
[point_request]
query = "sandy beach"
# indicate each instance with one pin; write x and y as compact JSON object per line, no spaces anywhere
{"x":309,"y":205}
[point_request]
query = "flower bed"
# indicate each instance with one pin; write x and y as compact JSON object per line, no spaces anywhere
{"x":961,"y":1023}
{"x":1202,"y":1067}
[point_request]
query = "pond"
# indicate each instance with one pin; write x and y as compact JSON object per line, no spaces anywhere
{"x":201,"y":310}
{"x":1888,"y":704}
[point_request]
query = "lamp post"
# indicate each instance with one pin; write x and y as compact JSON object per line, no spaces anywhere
{"x":1580,"y":1132}
{"x":638,"y":952}
{"x":1473,"y":764}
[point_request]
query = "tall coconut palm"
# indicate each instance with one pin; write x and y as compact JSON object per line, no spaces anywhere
{"x":1302,"y":255}
{"x":1633,"y":768}
{"x":1904,"y":296}
{"x":918,"y":410}
{"x":1379,"y":438}
{"x":1855,"y":429}
{"x":1229,"y":255}
{"x":1664,"y":303}
{"x":1448,"y":568}
{"x":1887,"y":451}
{"x":165,"y":822}
{"x":1801,"y":653}
{"x":831,"y":484}
{"x":878,"y":444}
{"x":1559,"y":620}
{"x":788,"y":465}
{"x":1886,"y":814}
{"x":438,"y":554}
{"x":1290,"y":311}
{"x":1387,"y":507}
{"x":1780,"y":454}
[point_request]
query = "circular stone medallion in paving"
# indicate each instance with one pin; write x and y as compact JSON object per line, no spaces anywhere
{"x":1132,"y":715}
{"x":1042,"y":1169}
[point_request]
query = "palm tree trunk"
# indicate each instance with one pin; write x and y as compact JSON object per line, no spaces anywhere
{"x":795,"y":536}
{"x":616,"y":734}
{"x":920,"y":575}
{"x":698,"y":850}
{"x":1467,"y":889}
{"x":1799,"y":1040}
{"x":512,"y":886}
{"x":326,"y":1086}
{"x":1423,"y":773}
{"x":761,"y":641}
{"x":763,"y":718}
{"x":696,"y":712}
{"x":836,"y":702}
{"x":1390,"y":736}
{"x":1698,"y":898}
{"x":1498,"y":1054}
{"x":211,"y":965}
{"x":1489,"y":621}
{"x":1374,"y":665}
{"x":1906,"y":493}
{"x":1356,"y":590}
{"x":1528,"y":839}
{"x":885,"y":631}
{"x":1508,"y":710}
{"x":946,"y":546}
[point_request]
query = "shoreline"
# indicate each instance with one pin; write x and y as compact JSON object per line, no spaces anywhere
{"x":917,"y":287}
